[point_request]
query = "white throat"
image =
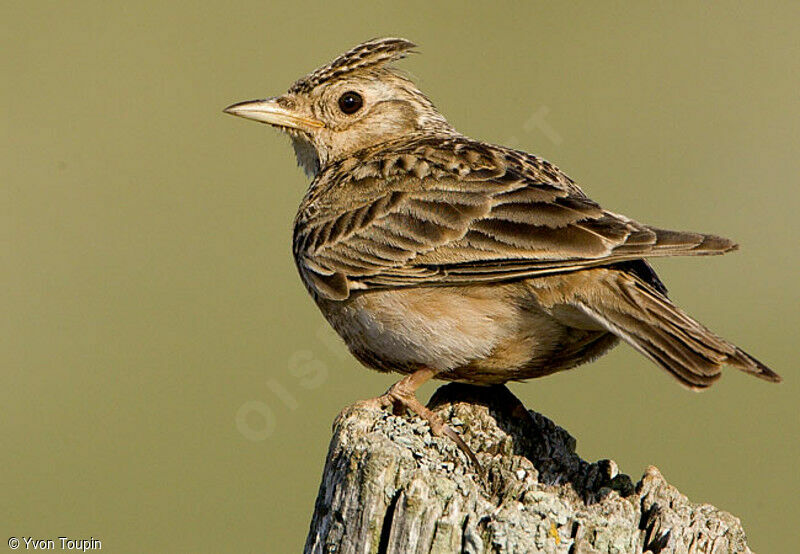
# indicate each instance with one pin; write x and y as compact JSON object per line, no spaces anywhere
{"x":307,"y":157}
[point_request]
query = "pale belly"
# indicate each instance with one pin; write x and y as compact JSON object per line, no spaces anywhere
{"x":482,"y":334}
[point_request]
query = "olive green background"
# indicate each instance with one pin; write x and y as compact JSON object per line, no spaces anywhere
{"x":166,"y":383}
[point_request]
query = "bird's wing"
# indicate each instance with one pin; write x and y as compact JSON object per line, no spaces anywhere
{"x":455,"y":212}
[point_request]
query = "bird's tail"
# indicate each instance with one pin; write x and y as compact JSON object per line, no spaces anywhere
{"x":647,"y":320}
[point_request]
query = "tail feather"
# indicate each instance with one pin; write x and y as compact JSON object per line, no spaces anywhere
{"x":648,"y":321}
{"x":747,"y":363}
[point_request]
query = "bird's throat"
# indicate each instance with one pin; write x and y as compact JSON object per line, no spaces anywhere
{"x":307,"y":156}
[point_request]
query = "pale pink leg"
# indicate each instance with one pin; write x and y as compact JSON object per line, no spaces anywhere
{"x":402,"y":396}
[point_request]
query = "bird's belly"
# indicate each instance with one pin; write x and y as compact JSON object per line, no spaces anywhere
{"x":478,"y":334}
{"x":440,"y":328}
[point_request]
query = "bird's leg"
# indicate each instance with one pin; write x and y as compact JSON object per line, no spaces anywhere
{"x":402,"y":396}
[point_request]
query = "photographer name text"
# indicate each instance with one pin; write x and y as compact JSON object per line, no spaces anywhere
{"x":59,"y":543}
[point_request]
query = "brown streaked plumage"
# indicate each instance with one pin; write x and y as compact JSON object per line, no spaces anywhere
{"x":436,"y":255}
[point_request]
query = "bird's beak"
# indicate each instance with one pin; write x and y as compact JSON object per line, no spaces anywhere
{"x":269,"y":111}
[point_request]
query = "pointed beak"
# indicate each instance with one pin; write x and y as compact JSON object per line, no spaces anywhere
{"x":269,"y":111}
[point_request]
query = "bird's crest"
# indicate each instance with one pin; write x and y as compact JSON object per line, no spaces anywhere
{"x":370,"y":54}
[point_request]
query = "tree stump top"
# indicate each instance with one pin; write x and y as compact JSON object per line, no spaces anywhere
{"x":389,"y":486}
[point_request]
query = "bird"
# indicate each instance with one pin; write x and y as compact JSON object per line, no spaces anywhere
{"x":438,"y":256}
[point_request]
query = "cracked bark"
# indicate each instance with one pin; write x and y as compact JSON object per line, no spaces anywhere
{"x":390,"y":487}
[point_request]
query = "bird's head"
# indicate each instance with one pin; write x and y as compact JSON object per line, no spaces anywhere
{"x":354,"y":102}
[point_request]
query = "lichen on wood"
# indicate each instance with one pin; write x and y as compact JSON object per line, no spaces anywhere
{"x":389,"y":486}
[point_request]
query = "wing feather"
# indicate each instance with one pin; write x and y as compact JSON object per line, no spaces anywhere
{"x":450,"y":211}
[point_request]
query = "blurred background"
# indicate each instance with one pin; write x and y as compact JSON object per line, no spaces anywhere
{"x":168,"y":386}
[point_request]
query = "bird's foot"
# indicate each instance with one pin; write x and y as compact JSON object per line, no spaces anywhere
{"x":401,"y":398}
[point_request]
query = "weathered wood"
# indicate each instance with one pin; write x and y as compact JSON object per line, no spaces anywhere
{"x":390,"y":487}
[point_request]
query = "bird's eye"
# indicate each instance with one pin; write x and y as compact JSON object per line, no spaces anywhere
{"x":350,"y":102}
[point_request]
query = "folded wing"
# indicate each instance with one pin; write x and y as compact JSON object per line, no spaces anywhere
{"x":456,"y":212}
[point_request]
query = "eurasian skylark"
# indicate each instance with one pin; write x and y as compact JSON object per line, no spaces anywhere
{"x":436,"y":255}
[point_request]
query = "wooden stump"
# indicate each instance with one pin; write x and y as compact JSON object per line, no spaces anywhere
{"x":390,"y":487}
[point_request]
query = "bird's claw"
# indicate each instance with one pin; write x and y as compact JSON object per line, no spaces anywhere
{"x":401,"y":401}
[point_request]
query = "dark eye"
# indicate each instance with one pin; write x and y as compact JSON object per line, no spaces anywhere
{"x":350,"y":102}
